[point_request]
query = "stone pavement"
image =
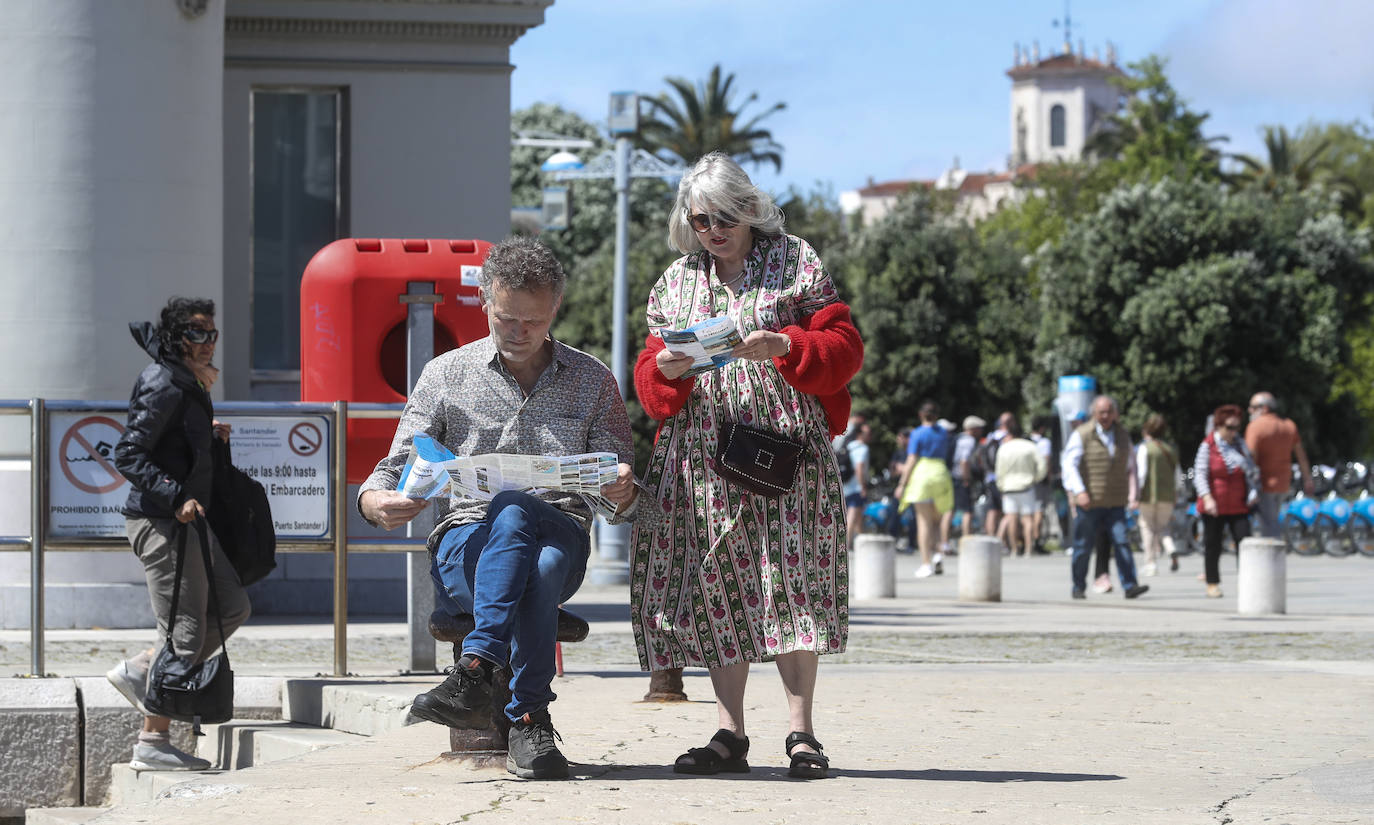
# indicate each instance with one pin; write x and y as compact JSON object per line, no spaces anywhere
{"x":1169,"y":709}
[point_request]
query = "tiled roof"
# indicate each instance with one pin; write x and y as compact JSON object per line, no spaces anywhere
{"x":1063,"y":64}
{"x":892,"y":188}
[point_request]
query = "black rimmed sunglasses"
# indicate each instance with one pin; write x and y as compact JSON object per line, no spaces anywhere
{"x":196,"y":335}
{"x":702,"y":221}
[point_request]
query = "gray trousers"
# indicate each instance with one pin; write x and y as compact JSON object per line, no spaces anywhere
{"x":155,"y":543}
{"x":1269,"y":514}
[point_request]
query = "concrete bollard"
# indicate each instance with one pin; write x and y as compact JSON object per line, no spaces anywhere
{"x":980,"y":569}
{"x":1262,"y":584}
{"x":874,"y":572}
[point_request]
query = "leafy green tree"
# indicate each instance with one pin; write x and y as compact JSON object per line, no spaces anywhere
{"x":943,"y":315}
{"x":587,"y":248}
{"x":1181,"y":295}
{"x":1155,"y":134}
{"x":816,"y":217}
{"x":704,"y":119}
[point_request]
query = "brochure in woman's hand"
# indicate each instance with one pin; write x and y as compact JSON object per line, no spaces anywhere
{"x":709,"y":343}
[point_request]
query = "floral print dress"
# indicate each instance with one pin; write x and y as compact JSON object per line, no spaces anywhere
{"x":728,"y":576}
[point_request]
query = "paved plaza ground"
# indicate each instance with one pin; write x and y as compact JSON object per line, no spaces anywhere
{"x":1037,"y":709}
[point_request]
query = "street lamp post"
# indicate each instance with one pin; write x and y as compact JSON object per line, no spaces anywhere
{"x":612,"y":565}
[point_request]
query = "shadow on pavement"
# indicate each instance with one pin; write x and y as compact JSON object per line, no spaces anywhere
{"x":770,"y":774}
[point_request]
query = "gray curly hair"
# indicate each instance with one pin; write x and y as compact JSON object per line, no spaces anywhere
{"x":717,"y":183}
{"x":521,"y":262}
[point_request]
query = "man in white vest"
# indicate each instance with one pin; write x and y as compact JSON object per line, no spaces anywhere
{"x":1098,"y":466}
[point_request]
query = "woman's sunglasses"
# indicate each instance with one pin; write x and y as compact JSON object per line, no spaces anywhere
{"x":196,"y":335}
{"x":702,"y":221}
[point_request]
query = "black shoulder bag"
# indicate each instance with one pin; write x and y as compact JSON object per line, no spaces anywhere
{"x":195,"y":692}
{"x":760,"y":461}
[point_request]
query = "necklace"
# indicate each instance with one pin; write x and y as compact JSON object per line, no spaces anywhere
{"x":733,"y":280}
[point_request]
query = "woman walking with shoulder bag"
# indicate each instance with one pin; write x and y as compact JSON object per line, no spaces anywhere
{"x":165,"y":453}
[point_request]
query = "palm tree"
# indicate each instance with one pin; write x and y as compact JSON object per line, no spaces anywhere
{"x":1288,"y":159}
{"x":702,"y":120}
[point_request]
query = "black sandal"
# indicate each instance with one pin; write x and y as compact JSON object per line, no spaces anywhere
{"x":805,"y":764}
{"x":705,"y":761}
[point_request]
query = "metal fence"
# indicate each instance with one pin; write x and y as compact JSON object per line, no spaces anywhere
{"x":335,"y":541}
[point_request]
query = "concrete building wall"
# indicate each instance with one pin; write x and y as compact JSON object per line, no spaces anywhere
{"x":110,"y":188}
{"x":426,"y":120}
{"x":125,"y":178}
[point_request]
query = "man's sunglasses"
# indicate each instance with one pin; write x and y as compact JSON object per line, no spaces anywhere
{"x":702,"y":221}
{"x":196,"y":335}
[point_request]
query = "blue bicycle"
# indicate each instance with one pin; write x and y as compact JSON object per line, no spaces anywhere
{"x":1360,"y":529}
{"x":1297,"y":523}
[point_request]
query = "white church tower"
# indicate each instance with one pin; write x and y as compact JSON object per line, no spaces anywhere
{"x":1056,"y":103}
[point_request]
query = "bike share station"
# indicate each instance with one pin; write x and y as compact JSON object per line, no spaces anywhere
{"x":373,"y":313}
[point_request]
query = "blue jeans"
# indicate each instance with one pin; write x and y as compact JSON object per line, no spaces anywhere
{"x":1085,"y":529}
{"x":511,"y":572}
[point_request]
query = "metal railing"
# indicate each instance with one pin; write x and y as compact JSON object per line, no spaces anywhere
{"x":335,"y":541}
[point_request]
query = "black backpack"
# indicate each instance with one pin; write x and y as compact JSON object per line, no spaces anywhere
{"x":241,"y":517}
{"x":843,"y":459}
{"x":983,"y":462}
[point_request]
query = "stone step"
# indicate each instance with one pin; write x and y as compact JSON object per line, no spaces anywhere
{"x":111,"y":724}
{"x":242,"y":743}
{"x":129,"y":785}
{"x":40,"y":726}
{"x":366,"y":707}
{"x":61,"y":816}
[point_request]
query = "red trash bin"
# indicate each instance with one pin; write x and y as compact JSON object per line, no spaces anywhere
{"x":353,"y":325}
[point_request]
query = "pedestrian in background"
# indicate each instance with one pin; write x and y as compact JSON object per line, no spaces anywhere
{"x":947,"y":517}
{"x":1020,"y":466}
{"x":1227,"y":482}
{"x":962,"y":471}
{"x":1098,"y":465}
{"x":1156,"y":462}
{"x":1274,"y":441}
{"x":856,"y":487}
{"x":926,"y":485}
{"x":1044,"y":489}
{"x":165,"y":453}
{"x":896,"y":515}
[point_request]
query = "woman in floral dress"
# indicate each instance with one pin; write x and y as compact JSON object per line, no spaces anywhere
{"x":729,"y":577}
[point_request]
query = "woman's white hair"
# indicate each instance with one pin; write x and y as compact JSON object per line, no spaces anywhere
{"x":719,"y":185}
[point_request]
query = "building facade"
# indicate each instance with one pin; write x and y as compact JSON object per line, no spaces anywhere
{"x":1056,"y":105}
{"x":151,"y":148}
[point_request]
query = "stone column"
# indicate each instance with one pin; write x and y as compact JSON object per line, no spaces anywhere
{"x":1262,"y":584}
{"x":873,"y":574}
{"x":980,"y":569}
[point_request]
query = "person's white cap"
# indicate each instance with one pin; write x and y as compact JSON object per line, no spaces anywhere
{"x":946,"y":423}
{"x":974,"y":421}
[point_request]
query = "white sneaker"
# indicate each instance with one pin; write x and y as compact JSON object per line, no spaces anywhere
{"x":1103,"y":584}
{"x":131,"y":683}
{"x":164,"y":757}
{"x":937,"y":562}
{"x":924,"y":571}
{"x":1151,"y":569}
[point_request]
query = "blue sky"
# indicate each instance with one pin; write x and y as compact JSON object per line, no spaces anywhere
{"x":896,"y":89}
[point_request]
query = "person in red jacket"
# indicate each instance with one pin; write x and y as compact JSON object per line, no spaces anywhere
{"x":1227,"y":482}
{"x":731,"y":577}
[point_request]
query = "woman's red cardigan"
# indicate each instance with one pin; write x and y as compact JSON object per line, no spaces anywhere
{"x":826,"y":353}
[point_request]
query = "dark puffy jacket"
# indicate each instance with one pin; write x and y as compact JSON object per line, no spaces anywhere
{"x":165,"y":449}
